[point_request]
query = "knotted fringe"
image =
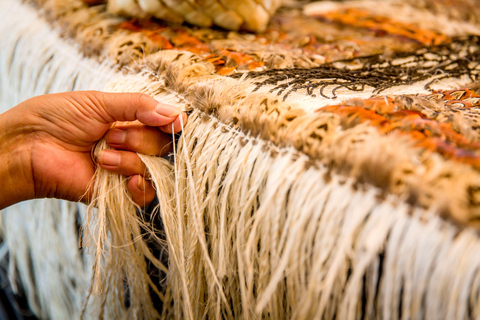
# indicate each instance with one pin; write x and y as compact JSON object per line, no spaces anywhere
{"x":288,"y":240}
{"x":40,"y":244}
{"x":120,"y":236}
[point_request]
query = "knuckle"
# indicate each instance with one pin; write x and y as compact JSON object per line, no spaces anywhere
{"x":141,"y":98}
{"x":135,"y":164}
{"x":96,"y":97}
{"x":134,"y":139}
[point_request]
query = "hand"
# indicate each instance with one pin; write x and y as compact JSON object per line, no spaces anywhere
{"x":46,"y":143}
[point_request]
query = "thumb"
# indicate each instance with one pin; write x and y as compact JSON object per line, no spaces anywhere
{"x":134,"y":106}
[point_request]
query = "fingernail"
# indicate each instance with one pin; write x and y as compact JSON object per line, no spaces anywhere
{"x":141,"y":183}
{"x":167,"y":110}
{"x":109,"y":157}
{"x":117,"y":136}
{"x":177,"y":125}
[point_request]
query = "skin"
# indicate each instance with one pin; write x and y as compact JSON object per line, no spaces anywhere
{"x":46,"y":143}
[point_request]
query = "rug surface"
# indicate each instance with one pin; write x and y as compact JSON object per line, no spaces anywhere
{"x":329,"y":167}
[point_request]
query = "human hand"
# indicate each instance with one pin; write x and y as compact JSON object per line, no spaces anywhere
{"x":46,"y":143}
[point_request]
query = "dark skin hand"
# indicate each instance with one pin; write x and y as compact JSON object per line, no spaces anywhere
{"x":46,"y":143}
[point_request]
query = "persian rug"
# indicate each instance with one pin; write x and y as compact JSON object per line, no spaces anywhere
{"x":329,"y":167}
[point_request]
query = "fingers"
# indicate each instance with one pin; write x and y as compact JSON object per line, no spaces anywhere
{"x":129,"y":164}
{"x":135,"y":106}
{"x":142,"y":191}
{"x":141,"y":139}
{"x":176,"y":124}
{"x":127,"y":140}
{"x":122,"y":162}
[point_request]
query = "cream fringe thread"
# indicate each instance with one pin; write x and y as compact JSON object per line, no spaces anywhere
{"x":289,"y":239}
{"x":120,"y":247}
{"x":286,"y":242}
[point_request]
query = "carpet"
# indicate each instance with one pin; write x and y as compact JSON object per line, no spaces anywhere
{"x":329,"y":167}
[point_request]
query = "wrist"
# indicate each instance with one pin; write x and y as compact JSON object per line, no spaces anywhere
{"x":15,"y":164}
